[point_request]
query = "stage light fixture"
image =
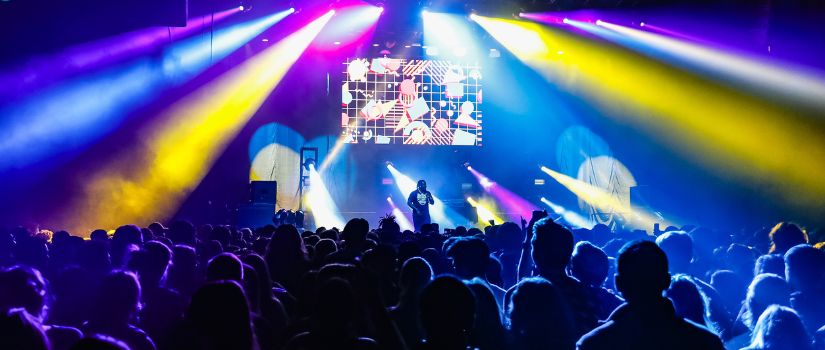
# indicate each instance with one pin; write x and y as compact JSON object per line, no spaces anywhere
{"x":309,"y":162}
{"x":400,"y":217}
{"x":642,"y":24}
{"x":514,"y":205}
{"x":485,"y":213}
{"x":324,"y":210}
{"x":572,"y":218}
{"x":452,"y":34}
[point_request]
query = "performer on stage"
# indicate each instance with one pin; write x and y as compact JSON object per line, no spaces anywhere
{"x":420,"y":200}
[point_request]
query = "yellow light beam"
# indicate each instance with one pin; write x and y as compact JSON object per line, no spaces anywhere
{"x":604,"y":201}
{"x":766,"y":144}
{"x":485,"y":212}
{"x":151,"y":181}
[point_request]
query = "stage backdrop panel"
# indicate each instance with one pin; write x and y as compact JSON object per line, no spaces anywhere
{"x":411,"y":102}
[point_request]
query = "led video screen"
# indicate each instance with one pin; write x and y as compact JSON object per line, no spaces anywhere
{"x":411,"y":102}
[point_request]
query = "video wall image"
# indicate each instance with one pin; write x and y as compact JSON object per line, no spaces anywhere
{"x":411,"y":102}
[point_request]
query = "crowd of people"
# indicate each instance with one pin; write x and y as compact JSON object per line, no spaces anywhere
{"x":536,"y":284}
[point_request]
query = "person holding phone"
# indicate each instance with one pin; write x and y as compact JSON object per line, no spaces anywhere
{"x":420,"y":201}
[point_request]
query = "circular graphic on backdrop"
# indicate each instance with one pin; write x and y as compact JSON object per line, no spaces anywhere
{"x":574,"y":145}
{"x":357,"y":70}
{"x":467,"y":107}
{"x":614,"y":180}
{"x":276,"y":162}
{"x":274,"y":133}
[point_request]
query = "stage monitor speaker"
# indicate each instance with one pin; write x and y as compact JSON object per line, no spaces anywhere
{"x":263,"y":192}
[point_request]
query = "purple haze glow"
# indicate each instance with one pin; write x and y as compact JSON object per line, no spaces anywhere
{"x":42,"y":71}
{"x":515,"y":206}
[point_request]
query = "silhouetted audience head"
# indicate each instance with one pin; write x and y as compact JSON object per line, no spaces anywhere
{"x":324,"y":248}
{"x":552,"y":246}
{"x":769,"y":263}
{"x":447,"y":313}
{"x":510,"y":236}
{"x":23,"y":287}
{"x":740,"y":259}
{"x":589,"y":264}
{"x":355,"y":231}
{"x":678,"y":246}
{"x":99,"y":235}
{"x":765,"y":290}
{"x":539,"y":316}
{"x":128,"y":234}
{"x":780,"y":328}
{"x":415,"y":274}
{"x":219,"y":313}
{"x":117,"y":299}
{"x":687,"y":299}
{"x":470,"y":256}
{"x":732,"y":288}
{"x":805,"y":268}
{"x":221,"y":234}
{"x":151,"y":263}
{"x":335,"y":309}
{"x":436,"y":261}
{"x":287,"y":245}
{"x":642,"y":272}
{"x":785,"y":235}
{"x":488,"y":332}
{"x":182,"y":232}
{"x":225,"y":266}
{"x":19,"y":330}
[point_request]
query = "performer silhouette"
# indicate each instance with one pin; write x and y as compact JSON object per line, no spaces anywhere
{"x":420,"y":201}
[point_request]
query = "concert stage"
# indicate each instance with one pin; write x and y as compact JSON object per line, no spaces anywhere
{"x":628,"y":115}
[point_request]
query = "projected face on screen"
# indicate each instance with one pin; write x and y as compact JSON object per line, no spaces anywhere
{"x":411,"y":102}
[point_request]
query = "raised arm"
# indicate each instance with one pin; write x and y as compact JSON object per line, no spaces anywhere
{"x":525,"y":262}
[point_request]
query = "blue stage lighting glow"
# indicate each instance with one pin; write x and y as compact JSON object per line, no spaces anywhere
{"x":400,"y":217}
{"x":440,"y":213}
{"x":63,"y":119}
{"x":318,"y":200}
{"x":451,"y":34}
{"x":572,"y":218}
